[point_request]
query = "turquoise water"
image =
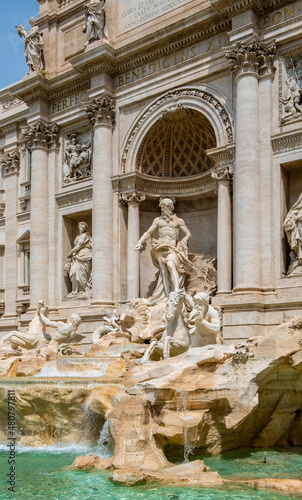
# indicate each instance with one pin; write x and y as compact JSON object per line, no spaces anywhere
{"x":247,"y":463}
{"x":42,"y":474}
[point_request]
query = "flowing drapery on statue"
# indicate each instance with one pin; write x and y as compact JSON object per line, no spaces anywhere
{"x":95,"y":22}
{"x":169,"y":253}
{"x":79,"y":262}
{"x":33,"y":49}
{"x":293,"y":229}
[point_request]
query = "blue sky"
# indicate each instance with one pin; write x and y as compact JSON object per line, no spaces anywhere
{"x":12,"y":60}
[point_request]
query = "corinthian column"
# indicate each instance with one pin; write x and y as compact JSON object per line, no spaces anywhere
{"x":11,"y":167}
{"x":249,"y":58}
{"x":133,"y":199}
{"x":224,"y":229}
{"x":39,"y":136}
{"x":101,"y":113}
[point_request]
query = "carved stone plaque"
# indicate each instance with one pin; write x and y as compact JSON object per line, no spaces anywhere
{"x":134,"y":13}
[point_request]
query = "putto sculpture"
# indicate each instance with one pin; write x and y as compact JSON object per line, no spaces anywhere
{"x":79,"y":263}
{"x":169,"y":253}
{"x":95,"y":21}
{"x":33,"y":49}
{"x":77,"y":160}
{"x":293,"y":229}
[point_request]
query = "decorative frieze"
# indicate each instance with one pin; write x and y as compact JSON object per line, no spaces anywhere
{"x":154,"y":186}
{"x":11,"y":102}
{"x":100,"y":110}
{"x":41,"y":135}
{"x":291,"y":96}
{"x":77,"y":159}
{"x":253,"y":56}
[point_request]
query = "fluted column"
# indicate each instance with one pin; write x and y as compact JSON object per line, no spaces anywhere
{"x":39,"y":136}
{"x":266,"y":174}
{"x":133,"y":200}
{"x":11,"y":165}
{"x":249,"y":58}
{"x":224,"y":229}
{"x":53,"y":269}
{"x":101,"y":113}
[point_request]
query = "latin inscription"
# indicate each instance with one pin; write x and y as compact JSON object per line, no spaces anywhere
{"x":173,"y":59}
{"x":69,"y":101}
{"x":133,"y":13}
{"x":281,"y":15}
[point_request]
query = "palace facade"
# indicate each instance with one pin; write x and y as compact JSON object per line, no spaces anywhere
{"x":195,"y":100}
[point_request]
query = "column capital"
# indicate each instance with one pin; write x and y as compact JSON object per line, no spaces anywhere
{"x":223,"y":174}
{"x":100,"y":110}
{"x":41,"y":135}
{"x":252,"y":56}
{"x":11,"y":162}
{"x":132,"y":197}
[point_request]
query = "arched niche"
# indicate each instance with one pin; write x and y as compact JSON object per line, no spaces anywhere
{"x":205,"y":106}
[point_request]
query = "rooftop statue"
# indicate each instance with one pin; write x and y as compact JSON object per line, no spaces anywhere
{"x":33,"y":49}
{"x":79,"y":261}
{"x":95,"y":21}
{"x":169,"y":253}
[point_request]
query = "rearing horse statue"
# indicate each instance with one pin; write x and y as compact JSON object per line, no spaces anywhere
{"x":176,"y":338}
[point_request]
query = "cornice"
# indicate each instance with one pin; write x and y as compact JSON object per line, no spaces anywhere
{"x":223,"y":157}
{"x":164,"y":186}
{"x":261,"y":7}
{"x":287,"y":142}
{"x":37,"y":87}
{"x":74,"y":197}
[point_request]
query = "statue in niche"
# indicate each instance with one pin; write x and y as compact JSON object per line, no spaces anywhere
{"x":33,"y":49}
{"x":169,"y":253}
{"x":293,"y":229}
{"x":34,"y":338}
{"x":79,"y":263}
{"x":77,"y":160}
{"x":293,"y":101}
{"x":95,"y":21}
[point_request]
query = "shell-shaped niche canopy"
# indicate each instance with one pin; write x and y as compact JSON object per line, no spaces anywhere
{"x":175,"y":146}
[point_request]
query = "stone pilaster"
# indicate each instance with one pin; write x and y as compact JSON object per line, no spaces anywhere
{"x":266,"y":173}
{"x":249,"y":60}
{"x":39,"y":138}
{"x":133,"y":200}
{"x":101,"y":113}
{"x":223,"y":177}
{"x":53,"y":226}
{"x":11,"y":163}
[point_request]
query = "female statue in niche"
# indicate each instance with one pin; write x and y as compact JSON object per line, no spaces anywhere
{"x":293,"y":229}
{"x":33,"y":49}
{"x":79,"y":260}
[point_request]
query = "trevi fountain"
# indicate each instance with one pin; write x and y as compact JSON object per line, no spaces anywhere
{"x":151,"y":253}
